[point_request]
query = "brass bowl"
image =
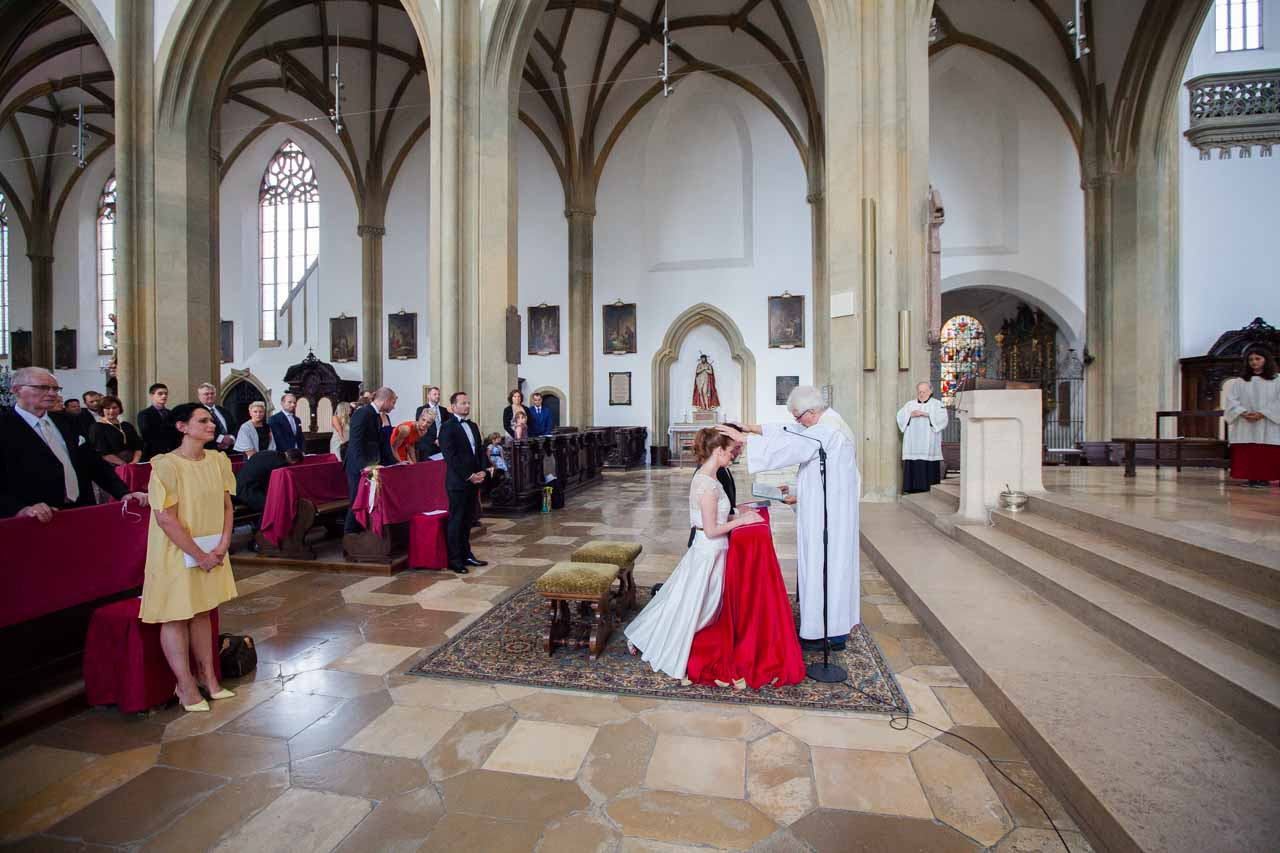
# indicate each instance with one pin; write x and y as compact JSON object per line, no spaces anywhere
{"x":1013,"y":501}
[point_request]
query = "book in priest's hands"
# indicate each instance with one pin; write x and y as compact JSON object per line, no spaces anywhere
{"x":764,"y":490}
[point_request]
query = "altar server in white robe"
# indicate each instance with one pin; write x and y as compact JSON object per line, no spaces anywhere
{"x":1252,"y":412}
{"x":922,"y":421}
{"x":774,"y":446}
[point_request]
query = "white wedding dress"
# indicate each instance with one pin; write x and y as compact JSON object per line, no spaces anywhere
{"x":690,"y":599}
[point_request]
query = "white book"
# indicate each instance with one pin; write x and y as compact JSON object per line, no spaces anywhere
{"x":764,"y":490}
{"x":206,"y":543}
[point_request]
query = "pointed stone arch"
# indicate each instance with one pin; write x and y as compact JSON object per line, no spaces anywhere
{"x":701,"y":314}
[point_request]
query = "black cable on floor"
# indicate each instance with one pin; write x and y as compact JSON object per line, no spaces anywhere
{"x":896,"y":715}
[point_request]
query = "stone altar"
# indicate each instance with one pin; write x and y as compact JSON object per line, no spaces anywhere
{"x":1000,"y":438}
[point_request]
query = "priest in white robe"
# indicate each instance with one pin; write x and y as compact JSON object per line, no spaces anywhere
{"x":922,"y":421}
{"x":774,"y":446}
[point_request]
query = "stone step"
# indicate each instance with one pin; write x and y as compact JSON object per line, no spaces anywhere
{"x":1241,"y":616}
{"x":1237,"y":681}
{"x":932,"y":508}
{"x":1140,"y":761}
{"x":1251,"y":567}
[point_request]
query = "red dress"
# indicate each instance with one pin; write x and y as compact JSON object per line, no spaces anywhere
{"x":754,"y":637}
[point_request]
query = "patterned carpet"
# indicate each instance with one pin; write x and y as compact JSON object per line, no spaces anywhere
{"x":506,"y":644}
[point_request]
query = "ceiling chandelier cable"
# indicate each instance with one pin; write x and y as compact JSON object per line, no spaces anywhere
{"x":335,"y":114}
{"x":79,"y":149}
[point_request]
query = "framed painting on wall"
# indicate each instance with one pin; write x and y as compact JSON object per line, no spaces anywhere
{"x":544,"y":329}
{"x":20,"y":349}
{"x":342,"y":338}
{"x":64,"y":349}
{"x":783,"y":386}
{"x":227,"y":341}
{"x":620,"y":328}
{"x":620,"y":389}
{"x":786,"y":321}
{"x":402,"y":335}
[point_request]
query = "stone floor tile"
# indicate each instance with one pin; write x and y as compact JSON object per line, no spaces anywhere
{"x":854,"y":733}
{"x":49,"y":844}
{"x":466,"y":832}
{"x":580,"y":833}
{"x":583,"y":709}
{"x":333,"y":682}
{"x":138,"y":808}
{"x":322,"y":655}
{"x":359,"y":774}
{"x":996,"y":743}
{"x":218,"y":814}
{"x":959,"y":793}
{"x":373,"y":658}
{"x":537,"y":748}
{"x":868,"y":781}
{"x":1026,"y":840}
{"x":690,"y":819}
{"x":225,"y":754}
{"x":469,"y":743}
{"x":935,"y":676}
{"x":339,"y":725}
{"x":965,"y":707}
{"x":925,"y":706}
{"x":403,"y":731}
{"x":558,"y":540}
{"x":33,"y":768}
{"x":400,"y":824}
{"x":224,"y":711}
{"x":648,"y":845}
{"x":284,"y":646}
{"x":924,"y":652}
{"x":284,"y":715}
{"x":780,"y":777}
{"x":897,"y":613}
{"x":618,"y":759}
{"x":72,"y":793}
{"x":445,"y":693}
{"x":512,"y":692}
{"x":709,"y":766}
{"x":852,"y":832}
{"x":891,"y":647}
{"x":705,"y":720}
{"x":777,"y":715}
{"x":512,"y":796}
{"x":104,"y":731}
{"x":1023,"y":811}
{"x":298,"y":820}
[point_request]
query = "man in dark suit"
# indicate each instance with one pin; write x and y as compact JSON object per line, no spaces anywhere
{"x":255,"y":475}
{"x":540,"y":422}
{"x":286,"y":428}
{"x":365,"y":446}
{"x":429,"y":444}
{"x":224,"y":427}
{"x":47,"y":465}
{"x":91,"y":411}
{"x":468,"y":466}
{"x":155,"y":424}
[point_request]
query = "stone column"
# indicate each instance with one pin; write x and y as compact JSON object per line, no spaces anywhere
{"x":581,"y":315}
{"x":371,"y":353}
{"x":444,"y":276}
{"x":41,"y":257}
{"x":821,"y":327}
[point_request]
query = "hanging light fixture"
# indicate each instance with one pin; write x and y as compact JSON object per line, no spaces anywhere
{"x":335,"y":113}
{"x":664,"y":70}
{"x":79,"y":150}
{"x":1075,"y":29}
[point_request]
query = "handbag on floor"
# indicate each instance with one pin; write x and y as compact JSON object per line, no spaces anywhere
{"x":237,"y":655}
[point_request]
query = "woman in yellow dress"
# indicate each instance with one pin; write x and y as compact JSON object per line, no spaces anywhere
{"x":188,"y":573}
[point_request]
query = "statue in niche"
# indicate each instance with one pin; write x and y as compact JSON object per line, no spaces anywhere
{"x":705,"y":398}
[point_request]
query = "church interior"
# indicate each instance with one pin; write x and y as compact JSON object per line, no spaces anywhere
{"x":649,"y":218}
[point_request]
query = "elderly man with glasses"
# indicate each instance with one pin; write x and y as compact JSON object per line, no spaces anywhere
{"x":47,"y":465}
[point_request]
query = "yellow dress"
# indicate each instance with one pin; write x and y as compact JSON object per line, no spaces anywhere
{"x":171,"y":591}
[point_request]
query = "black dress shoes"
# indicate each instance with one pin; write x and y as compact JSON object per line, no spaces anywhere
{"x":472,"y":561}
{"x":460,"y":570}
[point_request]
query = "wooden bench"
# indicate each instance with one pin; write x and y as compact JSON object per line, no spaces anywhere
{"x":1211,"y":452}
{"x":293,"y":545}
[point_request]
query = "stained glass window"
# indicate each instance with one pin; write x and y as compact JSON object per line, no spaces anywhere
{"x":107,"y":265}
{"x":289,"y":210}
{"x":963,"y":352}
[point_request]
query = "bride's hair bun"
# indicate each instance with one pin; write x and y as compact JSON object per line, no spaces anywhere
{"x":708,"y":441}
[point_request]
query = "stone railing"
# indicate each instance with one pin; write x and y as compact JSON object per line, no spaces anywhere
{"x":1235,"y":111}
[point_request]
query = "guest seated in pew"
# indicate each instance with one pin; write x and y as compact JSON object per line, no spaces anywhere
{"x":91,"y":411}
{"x":45,"y":465}
{"x":405,"y":437}
{"x":187,"y":572}
{"x":255,"y":435}
{"x":113,"y":439}
{"x":255,"y":475}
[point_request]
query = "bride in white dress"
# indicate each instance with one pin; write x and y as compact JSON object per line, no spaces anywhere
{"x":690,"y":599}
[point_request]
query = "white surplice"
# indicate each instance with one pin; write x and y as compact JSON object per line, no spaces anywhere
{"x":922,"y":437}
{"x":779,"y":448}
{"x":1256,"y":395}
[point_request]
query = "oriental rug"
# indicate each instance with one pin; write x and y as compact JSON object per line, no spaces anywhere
{"x":506,"y":644}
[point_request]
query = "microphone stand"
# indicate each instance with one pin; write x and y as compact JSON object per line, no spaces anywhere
{"x":825,"y":672}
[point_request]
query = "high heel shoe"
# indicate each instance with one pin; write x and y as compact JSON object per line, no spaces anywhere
{"x":200,"y":707}
{"x":223,"y":693}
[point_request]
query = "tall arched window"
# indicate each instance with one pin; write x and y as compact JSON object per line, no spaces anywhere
{"x":289,"y":206}
{"x":106,"y":264}
{"x":963,"y":352}
{"x":4,"y":276}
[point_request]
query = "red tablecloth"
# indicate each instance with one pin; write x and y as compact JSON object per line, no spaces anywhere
{"x":124,"y":664}
{"x":318,"y":483}
{"x":318,"y":459}
{"x":79,"y":556}
{"x":403,"y":492}
{"x":429,"y":541}
{"x":136,"y":476}
{"x":754,"y":637}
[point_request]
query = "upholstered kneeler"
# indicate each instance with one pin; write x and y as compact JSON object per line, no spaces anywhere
{"x":123,"y":662}
{"x":621,"y":554}
{"x":589,"y":584}
{"x":428,"y":545}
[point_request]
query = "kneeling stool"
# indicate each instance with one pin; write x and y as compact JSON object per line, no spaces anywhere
{"x":589,"y":584}
{"x":621,"y":554}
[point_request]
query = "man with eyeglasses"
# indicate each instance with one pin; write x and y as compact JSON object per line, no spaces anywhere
{"x":47,"y":465}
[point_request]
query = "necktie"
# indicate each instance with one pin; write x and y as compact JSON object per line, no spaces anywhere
{"x":68,"y":471}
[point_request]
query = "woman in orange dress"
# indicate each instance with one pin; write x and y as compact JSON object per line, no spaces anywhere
{"x":406,"y":435}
